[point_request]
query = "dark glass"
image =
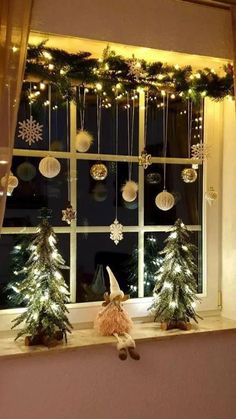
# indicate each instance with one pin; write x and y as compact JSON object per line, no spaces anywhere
{"x":188,"y":196}
{"x":177,"y":145}
{"x":96,"y":199}
{"x":96,"y":250}
{"x":31,"y":195}
{"x":11,"y":259}
{"x":60,"y":117}
{"x":154,"y":242}
{"x":108,"y":125}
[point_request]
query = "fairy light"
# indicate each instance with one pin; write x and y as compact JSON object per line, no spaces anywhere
{"x":50,"y":66}
{"x":184,"y":248}
{"x":99,"y":86}
{"x":172,"y":96}
{"x":177,"y":67}
{"x":203,"y":94}
{"x":14,"y":49}
{"x":42,"y":86}
{"x":163,"y":93}
{"x":173,"y":235}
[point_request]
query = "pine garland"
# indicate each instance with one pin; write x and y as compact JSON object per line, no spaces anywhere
{"x":65,"y":70}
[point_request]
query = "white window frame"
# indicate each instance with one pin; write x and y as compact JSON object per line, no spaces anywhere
{"x":84,"y":313}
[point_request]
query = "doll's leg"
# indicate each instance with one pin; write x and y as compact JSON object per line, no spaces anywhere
{"x":121,"y":347}
{"x":130,"y":344}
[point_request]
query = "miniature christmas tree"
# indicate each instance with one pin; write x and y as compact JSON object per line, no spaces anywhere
{"x":44,"y":290}
{"x":175,"y":290}
{"x":19,"y":256}
{"x":151,"y":263}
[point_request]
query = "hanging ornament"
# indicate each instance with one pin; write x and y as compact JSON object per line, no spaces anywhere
{"x":30,"y":130}
{"x":153,"y":178}
{"x":145,"y":159}
{"x":26,"y":171}
{"x":12,"y":183}
{"x":83,"y":139}
{"x":129,"y":191}
{"x":68,"y":214}
{"x":49,"y":167}
{"x":98,"y":170}
{"x":165,"y":201}
{"x":116,"y":231}
{"x":99,"y":192}
{"x":200,"y":151}
{"x":189,"y":175}
{"x":211,"y":195}
{"x":136,"y":69}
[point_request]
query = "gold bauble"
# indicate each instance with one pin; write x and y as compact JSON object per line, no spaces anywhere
{"x":83,"y":141}
{"x":12,"y":181}
{"x":189,"y":175}
{"x":49,"y":167}
{"x":165,"y":201}
{"x":129,"y":191}
{"x":98,"y":171}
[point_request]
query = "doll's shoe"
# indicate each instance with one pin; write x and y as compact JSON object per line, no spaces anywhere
{"x":122,"y":353}
{"x":133,"y":354}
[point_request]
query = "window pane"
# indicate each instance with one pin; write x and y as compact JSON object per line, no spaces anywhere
{"x":96,"y":199}
{"x":40,"y":113}
{"x":34,"y":192}
{"x":153,"y":244}
{"x":188,"y":196}
{"x":94,"y":253}
{"x":177,"y":145}
{"x":108,"y":123}
{"x":14,"y":255}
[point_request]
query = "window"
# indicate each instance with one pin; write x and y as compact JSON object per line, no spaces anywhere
{"x":85,"y":245}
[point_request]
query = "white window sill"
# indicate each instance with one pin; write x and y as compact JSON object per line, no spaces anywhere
{"x":88,"y":337}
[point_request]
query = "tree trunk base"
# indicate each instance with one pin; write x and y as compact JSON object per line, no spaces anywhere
{"x":44,"y":340}
{"x":180,"y":324}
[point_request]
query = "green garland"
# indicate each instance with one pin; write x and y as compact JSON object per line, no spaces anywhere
{"x":113,"y":72}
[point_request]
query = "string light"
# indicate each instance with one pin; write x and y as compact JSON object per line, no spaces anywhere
{"x":99,"y":86}
{"x":50,"y":66}
{"x":47,"y":55}
{"x":42,"y":86}
{"x":14,"y":49}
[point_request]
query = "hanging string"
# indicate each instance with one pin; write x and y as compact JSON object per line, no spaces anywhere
{"x":82,"y":101}
{"x":68,"y":148}
{"x":49,"y":116}
{"x":165,"y":133}
{"x":146,"y":119}
{"x":30,"y":101}
{"x":190,"y":122}
{"x":99,"y":115}
{"x":116,"y":150}
{"x":201,"y":122}
{"x":130,"y":132}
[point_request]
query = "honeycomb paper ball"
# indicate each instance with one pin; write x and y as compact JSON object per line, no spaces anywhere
{"x":12,"y":181}
{"x":83,"y":141}
{"x":49,"y":167}
{"x":129,"y":191}
{"x":165,"y":201}
{"x":26,"y":171}
{"x":98,"y":171}
{"x":189,"y":175}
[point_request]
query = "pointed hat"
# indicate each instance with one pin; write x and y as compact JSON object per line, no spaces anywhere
{"x":115,"y":290}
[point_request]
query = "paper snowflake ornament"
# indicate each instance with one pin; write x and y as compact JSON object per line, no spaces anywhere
{"x":135,"y":68}
{"x":116,"y":231}
{"x":30,"y":131}
{"x":68,"y":214}
{"x":200,"y":151}
{"x":145,"y":159}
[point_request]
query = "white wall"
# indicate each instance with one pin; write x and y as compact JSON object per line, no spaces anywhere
{"x":161,"y":24}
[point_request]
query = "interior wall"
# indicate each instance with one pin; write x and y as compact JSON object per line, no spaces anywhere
{"x":168,"y":25}
{"x":179,"y":378}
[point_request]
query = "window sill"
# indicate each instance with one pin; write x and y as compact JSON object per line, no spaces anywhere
{"x":88,"y":337}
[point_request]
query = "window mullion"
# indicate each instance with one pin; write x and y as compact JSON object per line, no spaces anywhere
{"x":141,"y":197}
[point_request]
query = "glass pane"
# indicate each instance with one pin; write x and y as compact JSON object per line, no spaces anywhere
{"x":107,"y":143}
{"x":96,"y":199}
{"x":188,"y":196}
{"x":94,"y":253}
{"x":14,"y":255}
{"x":34,"y":192}
{"x":177,"y":145}
{"x":154,"y":243}
{"x":39,"y":110}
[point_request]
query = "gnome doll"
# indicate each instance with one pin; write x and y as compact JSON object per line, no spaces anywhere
{"x":114,"y":320}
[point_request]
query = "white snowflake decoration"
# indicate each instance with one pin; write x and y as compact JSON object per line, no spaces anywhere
{"x":200,"y":151}
{"x":116,"y":231}
{"x":30,"y":131}
{"x":135,"y":68}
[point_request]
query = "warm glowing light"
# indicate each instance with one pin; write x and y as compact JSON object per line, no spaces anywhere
{"x":99,"y":86}
{"x":42,"y":86}
{"x":50,"y":66}
{"x":14,"y":48}
{"x":47,"y":55}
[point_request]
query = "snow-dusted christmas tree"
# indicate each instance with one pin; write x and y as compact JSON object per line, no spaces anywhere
{"x":175,"y":292}
{"x":44,"y":290}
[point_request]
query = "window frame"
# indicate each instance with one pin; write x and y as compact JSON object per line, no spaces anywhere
{"x":85,"y":312}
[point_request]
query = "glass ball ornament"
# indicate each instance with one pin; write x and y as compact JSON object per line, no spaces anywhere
{"x":99,"y":192}
{"x":153,"y":178}
{"x":129,"y":191}
{"x":26,"y":171}
{"x":49,"y":167}
{"x":98,"y":171}
{"x":164,"y":200}
{"x":83,"y":141}
{"x":189,"y":175}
